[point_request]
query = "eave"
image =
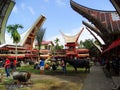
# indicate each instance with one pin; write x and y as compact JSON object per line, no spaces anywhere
{"x":84,"y":11}
{"x":116,"y":4}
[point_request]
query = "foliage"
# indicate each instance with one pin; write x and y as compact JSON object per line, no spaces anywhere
{"x":89,"y":45}
{"x":13,"y":29}
{"x":70,"y":71}
{"x":81,"y":44}
{"x":39,"y":38}
{"x":28,"y":68}
{"x":2,"y":87}
{"x":57,"y":46}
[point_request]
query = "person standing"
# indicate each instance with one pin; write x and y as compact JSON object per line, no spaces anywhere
{"x":36,"y":65}
{"x":42,"y":66}
{"x":63,"y":66}
{"x":7,"y":67}
{"x":14,"y":64}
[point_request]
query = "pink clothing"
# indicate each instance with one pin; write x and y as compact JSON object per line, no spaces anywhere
{"x":62,"y":63}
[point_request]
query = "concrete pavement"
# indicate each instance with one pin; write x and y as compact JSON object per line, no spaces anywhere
{"x":97,"y":80}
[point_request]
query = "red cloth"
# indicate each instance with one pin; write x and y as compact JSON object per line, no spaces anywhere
{"x":7,"y":63}
{"x":14,"y":62}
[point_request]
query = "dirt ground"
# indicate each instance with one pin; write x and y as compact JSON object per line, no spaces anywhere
{"x":57,"y":82}
{"x":50,"y":82}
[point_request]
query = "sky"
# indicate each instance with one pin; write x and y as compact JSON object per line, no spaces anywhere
{"x":59,"y":16}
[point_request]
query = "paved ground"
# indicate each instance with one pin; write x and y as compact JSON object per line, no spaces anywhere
{"x":97,"y":80}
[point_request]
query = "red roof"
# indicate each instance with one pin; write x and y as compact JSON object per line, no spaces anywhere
{"x":114,"y":44}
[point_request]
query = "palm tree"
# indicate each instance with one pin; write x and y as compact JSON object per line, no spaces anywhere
{"x":39,"y":38}
{"x":57,"y":46}
{"x":13,"y":29}
{"x":57,"y":43}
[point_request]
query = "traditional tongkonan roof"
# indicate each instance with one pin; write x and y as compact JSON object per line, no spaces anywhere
{"x":28,"y":37}
{"x":106,"y":22}
{"x":116,"y":4}
{"x":6,"y":7}
{"x":71,"y":39}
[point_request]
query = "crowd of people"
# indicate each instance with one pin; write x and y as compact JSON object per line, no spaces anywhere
{"x":43,"y":64}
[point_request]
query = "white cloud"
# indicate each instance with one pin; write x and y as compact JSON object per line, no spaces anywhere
{"x":60,"y":2}
{"x":15,"y":9}
{"x":85,"y":35}
{"x":31,"y":10}
{"x":8,"y":39}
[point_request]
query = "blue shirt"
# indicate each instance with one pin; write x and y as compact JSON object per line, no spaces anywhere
{"x":41,"y":63}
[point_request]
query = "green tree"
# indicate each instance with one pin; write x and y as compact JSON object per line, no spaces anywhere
{"x":57,"y":43}
{"x":88,"y":44}
{"x":57,"y":46}
{"x":94,"y":52}
{"x":13,"y":29}
{"x":81,"y":44}
{"x":39,"y":38}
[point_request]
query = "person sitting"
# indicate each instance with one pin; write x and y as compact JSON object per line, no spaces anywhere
{"x":54,"y":66}
{"x":47,"y":67}
{"x":41,"y":64}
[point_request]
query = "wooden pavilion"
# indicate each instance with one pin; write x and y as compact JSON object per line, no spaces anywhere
{"x":71,"y":46}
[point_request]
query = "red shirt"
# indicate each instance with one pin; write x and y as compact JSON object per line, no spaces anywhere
{"x":7,"y":63}
{"x":14,"y":62}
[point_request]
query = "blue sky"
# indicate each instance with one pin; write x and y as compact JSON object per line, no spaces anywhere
{"x":59,"y":16}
